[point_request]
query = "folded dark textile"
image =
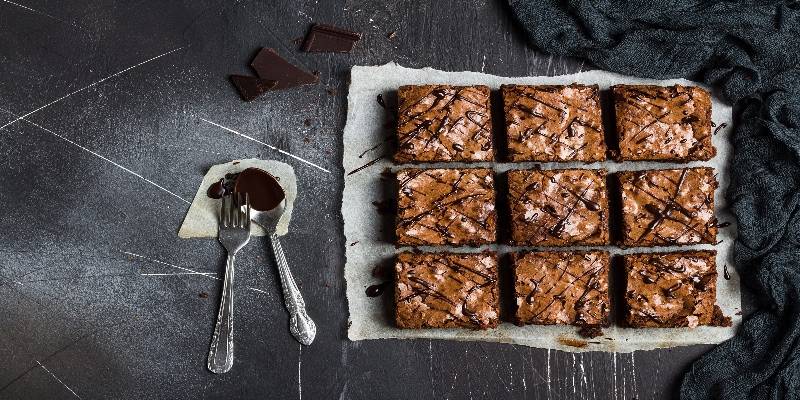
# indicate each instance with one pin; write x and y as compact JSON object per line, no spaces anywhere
{"x":749,"y":51}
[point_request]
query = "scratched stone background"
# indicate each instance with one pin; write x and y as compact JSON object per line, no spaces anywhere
{"x":103,"y":142}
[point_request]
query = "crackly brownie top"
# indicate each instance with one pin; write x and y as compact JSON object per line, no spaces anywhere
{"x":671,"y":289}
{"x":562,"y":287}
{"x":435,"y":290}
{"x":558,"y":207}
{"x":663,"y":123}
{"x":444,"y":123}
{"x":553,"y":123}
{"x":668,"y":207}
{"x":446,"y":206}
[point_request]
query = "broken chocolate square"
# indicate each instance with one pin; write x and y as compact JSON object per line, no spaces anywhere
{"x":250,"y":87}
{"x":271,"y":66}
{"x":330,"y":39}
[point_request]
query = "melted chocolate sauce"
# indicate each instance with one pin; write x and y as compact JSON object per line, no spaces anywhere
{"x":722,"y":125}
{"x":263,"y":189}
{"x":376,"y":290}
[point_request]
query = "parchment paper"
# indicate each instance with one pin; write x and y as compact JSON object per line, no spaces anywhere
{"x":203,"y":216}
{"x":369,"y":243}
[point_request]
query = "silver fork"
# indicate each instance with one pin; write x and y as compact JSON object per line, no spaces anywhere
{"x":234,"y":233}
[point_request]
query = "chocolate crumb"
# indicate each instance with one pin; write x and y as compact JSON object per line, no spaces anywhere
{"x":331,"y":91}
{"x":203,"y":295}
{"x":354,"y":243}
{"x":392,"y":35}
{"x":307,"y":122}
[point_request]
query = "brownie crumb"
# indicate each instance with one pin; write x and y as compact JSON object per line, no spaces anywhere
{"x":354,"y":243}
{"x":590,"y":331}
{"x":573,"y":342}
{"x":331,"y":91}
{"x":203,"y":295}
{"x":391,"y":35}
{"x":719,"y":319}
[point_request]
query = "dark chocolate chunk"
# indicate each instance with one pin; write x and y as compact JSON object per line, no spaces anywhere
{"x":330,"y":39}
{"x":250,"y":87}
{"x":270,"y":65}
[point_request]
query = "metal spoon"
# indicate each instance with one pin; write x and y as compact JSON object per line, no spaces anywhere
{"x":300,"y":324}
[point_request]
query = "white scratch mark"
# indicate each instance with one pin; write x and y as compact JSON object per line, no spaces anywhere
{"x":430,"y":367}
{"x":585,"y":384}
{"x":188,"y":271}
{"x":574,"y":389}
{"x":549,"y":389}
{"x":90,"y":86}
{"x":615,"y":374}
{"x":59,"y":380}
{"x":100,"y":156}
{"x":299,"y":374}
{"x":207,"y":274}
{"x":633,"y":372}
{"x":265,"y":144}
{"x":549,"y":63}
{"x":42,"y":13}
{"x":190,"y":148}
{"x":483,"y":65}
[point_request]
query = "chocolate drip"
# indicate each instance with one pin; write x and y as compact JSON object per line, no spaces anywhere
{"x":377,"y":289}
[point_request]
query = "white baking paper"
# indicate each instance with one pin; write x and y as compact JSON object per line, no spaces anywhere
{"x":203,"y":216}
{"x":365,"y":229}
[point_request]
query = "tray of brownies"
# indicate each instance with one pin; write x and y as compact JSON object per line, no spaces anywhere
{"x":582,"y":212}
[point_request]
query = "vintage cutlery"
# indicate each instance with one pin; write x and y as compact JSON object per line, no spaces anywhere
{"x":268,"y":203}
{"x":234,"y":233}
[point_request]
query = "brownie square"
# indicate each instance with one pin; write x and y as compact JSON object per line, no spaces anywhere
{"x":663,"y":123}
{"x":446,"y":206}
{"x":553,"y":123}
{"x":558,"y":207}
{"x":561,"y":288}
{"x":667,"y":290}
{"x":443,"y":290}
{"x":438,"y":123}
{"x":668,"y":207}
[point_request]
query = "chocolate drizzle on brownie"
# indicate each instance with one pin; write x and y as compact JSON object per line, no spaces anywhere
{"x":553,"y":123}
{"x":663,"y":123}
{"x":437,"y":290}
{"x":444,"y":123}
{"x":446,"y":206}
{"x":558,"y":207}
{"x":668,"y":207}
{"x":684,"y":294}
{"x":562,"y":288}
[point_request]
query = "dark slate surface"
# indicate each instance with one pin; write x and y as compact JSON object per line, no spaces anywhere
{"x":77,"y":315}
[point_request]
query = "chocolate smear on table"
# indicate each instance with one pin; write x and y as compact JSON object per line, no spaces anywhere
{"x":250,"y":87}
{"x":330,"y":39}
{"x":376,"y":290}
{"x":270,"y":65}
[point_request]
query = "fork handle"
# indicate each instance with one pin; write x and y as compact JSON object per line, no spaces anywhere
{"x":300,"y":324}
{"x":220,"y":356}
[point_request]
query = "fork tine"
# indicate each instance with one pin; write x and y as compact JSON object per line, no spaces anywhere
{"x":234,"y":210}
{"x":247,"y":210}
{"x":223,"y":211}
